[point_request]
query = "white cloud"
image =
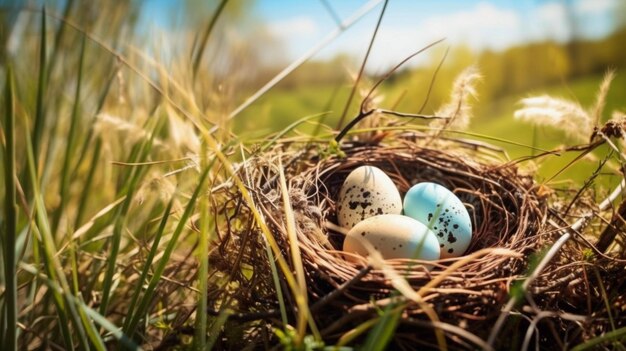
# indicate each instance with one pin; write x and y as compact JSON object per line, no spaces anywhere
{"x":482,"y":26}
{"x":294,"y":27}
{"x":595,"y":6}
{"x":485,"y":25}
{"x":551,"y":22}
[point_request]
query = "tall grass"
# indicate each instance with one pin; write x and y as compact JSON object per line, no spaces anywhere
{"x":9,"y":232}
{"x":111,"y":190}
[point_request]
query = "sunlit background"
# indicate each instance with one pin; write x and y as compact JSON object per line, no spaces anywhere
{"x":521,"y":48}
{"x":117,"y":107}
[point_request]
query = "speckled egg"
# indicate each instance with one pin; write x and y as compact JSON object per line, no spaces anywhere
{"x":367,"y":192}
{"x":441,"y":211}
{"x":394,"y":236}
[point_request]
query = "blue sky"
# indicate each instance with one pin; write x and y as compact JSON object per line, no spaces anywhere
{"x":410,"y":24}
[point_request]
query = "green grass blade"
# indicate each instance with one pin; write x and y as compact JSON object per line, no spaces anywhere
{"x":57,"y":48}
{"x":276,"y":280}
{"x":84,"y":196}
{"x":90,"y":328}
{"x":40,"y":123}
{"x":158,"y":272}
{"x":10,"y":218}
{"x":110,"y":327}
{"x":205,"y":37}
{"x":43,"y":237}
{"x":69,"y":146}
{"x":218,"y":324}
{"x":129,"y":188}
{"x":88,"y":138}
{"x":91,"y":313}
{"x":116,"y":239}
{"x":146,"y":266}
{"x":384,"y":329}
{"x":617,"y":335}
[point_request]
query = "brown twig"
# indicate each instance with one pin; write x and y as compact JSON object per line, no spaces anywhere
{"x":362,"y":69}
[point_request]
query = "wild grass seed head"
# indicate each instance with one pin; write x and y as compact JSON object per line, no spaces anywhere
{"x":566,"y":115}
{"x":459,"y":109}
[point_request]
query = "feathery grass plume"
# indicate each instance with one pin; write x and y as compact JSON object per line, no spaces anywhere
{"x":596,"y":113}
{"x":107,"y":124}
{"x":618,"y":115}
{"x":566,"y":115}
{"x":183,"y":135}
{"x":459,"y":109}
{"x":560,"y":113}
{"x":155,"y":188}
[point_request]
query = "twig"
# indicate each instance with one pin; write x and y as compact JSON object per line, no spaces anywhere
{"x":453,"y":329}
{"x":332,"y":12}
{"x":340,"y":289}
{"x":548,"y":257}
{"x":395,"y":68}
{"x":362,"y":69}
{"x":547,"y":314}
{"x":362,"y":113}
{"x":252,"y":316}
{"x":410,"y":115}
{"x":305,"y":57}
{"x":433,"y":79}
{"x":362,"y":116}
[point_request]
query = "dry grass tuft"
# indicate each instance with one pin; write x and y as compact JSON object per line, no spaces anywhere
{"x":459,"y":108}
{"x":564,"y":114}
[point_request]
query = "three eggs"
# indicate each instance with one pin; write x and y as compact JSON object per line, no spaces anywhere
{"x":430,"y":223}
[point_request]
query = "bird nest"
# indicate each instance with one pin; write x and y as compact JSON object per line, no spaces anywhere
{"x":509,"y":217}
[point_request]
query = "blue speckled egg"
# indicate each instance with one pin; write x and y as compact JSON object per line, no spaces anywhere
{"x":441,"y":211}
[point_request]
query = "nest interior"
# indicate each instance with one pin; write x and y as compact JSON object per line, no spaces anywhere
{"x":505,"y":209}
{"x":505,"y":213}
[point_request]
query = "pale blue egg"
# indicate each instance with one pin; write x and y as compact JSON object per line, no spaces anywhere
{"x":444,"y":213}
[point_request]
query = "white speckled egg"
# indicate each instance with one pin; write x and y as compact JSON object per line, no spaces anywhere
{"x":444,"y":213}
{"x":394,"y":236}
{"x":367,"y":192}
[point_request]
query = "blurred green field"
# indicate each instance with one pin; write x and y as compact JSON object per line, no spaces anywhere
{"x":493,"y":119}
{"x":496,"y":119}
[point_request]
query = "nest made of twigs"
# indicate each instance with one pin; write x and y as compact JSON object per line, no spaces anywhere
{"x":505,"y":209}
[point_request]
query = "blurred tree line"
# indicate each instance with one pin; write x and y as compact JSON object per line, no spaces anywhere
{"x":523,"y":68}
{"x":516,"y":70}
